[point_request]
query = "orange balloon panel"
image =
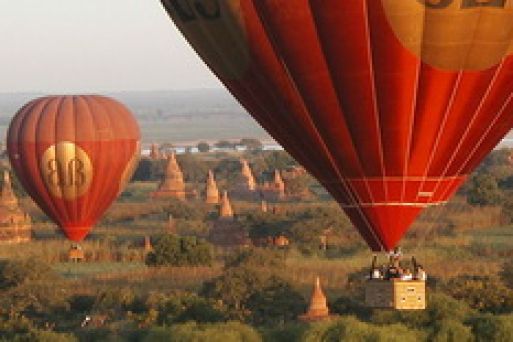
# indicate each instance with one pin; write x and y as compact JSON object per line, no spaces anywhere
{"x":74,"y":155}
{"x":390,"y":104}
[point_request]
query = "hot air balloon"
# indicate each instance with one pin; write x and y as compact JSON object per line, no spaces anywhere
{"x":73,"y":155}
{"x":390,"y":104}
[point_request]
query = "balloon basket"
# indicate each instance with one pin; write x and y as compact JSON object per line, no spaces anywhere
{"x":396,"y":294}
{"x":76,"y":254}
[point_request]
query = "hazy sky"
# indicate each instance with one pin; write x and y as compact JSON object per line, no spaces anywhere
{"x":68,"y":46}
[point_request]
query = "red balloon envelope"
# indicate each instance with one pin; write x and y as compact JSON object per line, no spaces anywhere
{"x":388,"y":103}
{"x":73,"y":155}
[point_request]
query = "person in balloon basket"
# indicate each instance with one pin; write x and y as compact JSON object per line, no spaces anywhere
{"x":420,"y":273}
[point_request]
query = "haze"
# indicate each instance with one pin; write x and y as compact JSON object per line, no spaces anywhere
{"x":93,"y":46}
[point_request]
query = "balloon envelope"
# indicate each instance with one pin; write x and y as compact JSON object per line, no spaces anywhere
{"x":73,"y":155}
{"x":390,"y":104}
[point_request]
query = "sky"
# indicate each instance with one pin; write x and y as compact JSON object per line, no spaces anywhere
{"x":93,"y":46}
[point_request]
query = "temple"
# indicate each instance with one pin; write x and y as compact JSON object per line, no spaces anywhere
{"x":15,"y":225}
{"x":172,"y":184}
{"x":318,"y":308}
{"x":245,"y":187}
{"x":226,"y":231}
{"x":155,"y":152}
{"x":274,"y":190}
{"x":211,"y":190}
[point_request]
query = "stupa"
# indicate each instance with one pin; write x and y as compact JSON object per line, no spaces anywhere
{"x":154,"y":152}
{"x":15,"y":225}
{"x":212,"y":192}
{"x":226,"y":231}
{"x":318,"y":308}
{"x":245,"y":187}
{"x":225,"y":209}
{"x":274,"y":190}
{"x":172,"y":184}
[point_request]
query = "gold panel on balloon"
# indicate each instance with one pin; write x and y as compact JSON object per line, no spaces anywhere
{"x":67,"y":170}
{"x":216,"y":30}
{"x":454,"y":35}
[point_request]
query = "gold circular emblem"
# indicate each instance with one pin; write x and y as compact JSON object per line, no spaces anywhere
{"x":454,"y":34}
{"x":67,"y":170}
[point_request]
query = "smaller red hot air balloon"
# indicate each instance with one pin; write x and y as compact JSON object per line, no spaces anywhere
{"x":73,"y":155}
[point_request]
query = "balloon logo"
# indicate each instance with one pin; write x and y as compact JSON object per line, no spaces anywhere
{"x":74,"y":155}
{"x":454,"y":34}
{"x":67,"y":170}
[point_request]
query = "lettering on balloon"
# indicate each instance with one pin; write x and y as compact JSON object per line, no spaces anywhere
{"x":192,"y":10}
{"x":67,"y":170}
{"x":465,"y":4}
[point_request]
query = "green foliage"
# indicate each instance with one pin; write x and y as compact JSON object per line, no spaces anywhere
{"x":451,"y":331}
{"x":149,"y":170}
{"x":221,"y":332}
{"x":484,"y":190}
{"x":203,"y":146}
{"x":251,"y":144}
{"x":15,"y":273}
{"x":194,"y":170}
{"x":256,"y":258}
{"x":278,"y":160}
{"x":183,"y":210}
{"x":492,"y":328}
{"x":252,"y":291}
{"x":189,"y":307}
{"x":350,"y":329}
{"x":275,"y":304}
{"x":180,"y":251}
{"x":482,"y":293}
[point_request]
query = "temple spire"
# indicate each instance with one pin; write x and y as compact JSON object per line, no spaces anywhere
{"x":225,"y":210}
{"x":318,"y":308}
{"x":212,"y":192}
{"x":7,"y":196}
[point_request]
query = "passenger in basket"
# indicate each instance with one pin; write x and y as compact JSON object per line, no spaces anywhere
{"x":420,"y":274}
{"x":407,"y":275}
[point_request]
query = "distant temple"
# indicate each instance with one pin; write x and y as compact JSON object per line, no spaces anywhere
{"x":172,"y":184}
{"x":226,"y":231}
{"x":225,"y":209}
{"x":275,"y":190}
{"x":245,"y":187}
{"x":15,"y":225}
{"x":212,"y":192}
{"x":318,"y":308}
{"x":155,"y":152}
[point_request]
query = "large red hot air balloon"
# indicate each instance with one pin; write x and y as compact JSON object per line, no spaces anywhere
{"x":73,"y":155}
{"x":390,"y":104}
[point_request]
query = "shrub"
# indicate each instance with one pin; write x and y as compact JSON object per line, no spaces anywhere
{"x":220,"y":332}
{"x":492,"y":328}
{"x":175,"y":251}
{"x":16,"y":273}
{"x":451,"y":331}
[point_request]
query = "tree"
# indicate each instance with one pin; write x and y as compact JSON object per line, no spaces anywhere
{"x":192,"y":331}
{"x":224,"y":144}
{"x":483,"y":190}
{"x":174,"y":251}
{"x":203,"y":146}
{"x":17,"y":273}
{"x":251,"y":144}
{"x":276,"y":304}
{"x":451,"y":330}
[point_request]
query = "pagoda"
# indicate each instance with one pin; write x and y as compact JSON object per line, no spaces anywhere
{"x":245,"y":187}
{"x":318,"y":308}
{"x":172,"y":184}
{"x":212,"y":192}
{"x":154,"y":152}
{"x":15,"y":225}
{"x":275,"y":189}
{"x":226,"y":231}
{"x":225,"y":209}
